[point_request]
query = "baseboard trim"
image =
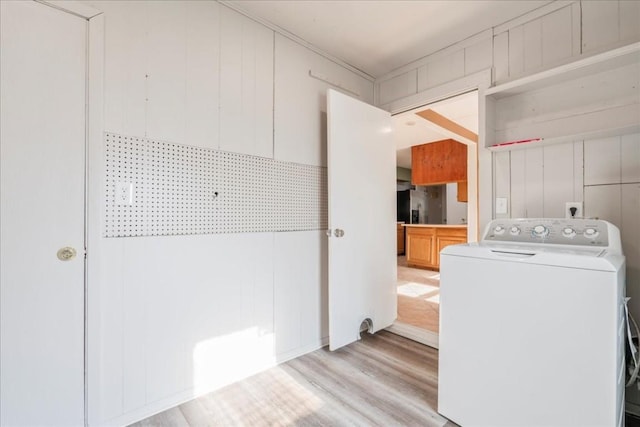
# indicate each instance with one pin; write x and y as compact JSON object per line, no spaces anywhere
{"x":414,"y":333}
{"x":177,"y":399}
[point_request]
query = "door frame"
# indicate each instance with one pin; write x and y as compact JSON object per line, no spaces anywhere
{"x":479,"y":168}
{"x":94,"y":127}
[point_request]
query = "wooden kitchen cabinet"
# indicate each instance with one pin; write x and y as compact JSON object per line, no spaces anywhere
{"x":438,"y":162}
{"x":400,"y":239}
{"x":424,"y":243}
{"x":420,"y":243}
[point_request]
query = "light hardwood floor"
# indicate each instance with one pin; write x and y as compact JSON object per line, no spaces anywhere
{"x":381,"y":380}
{"x":418,"y":296}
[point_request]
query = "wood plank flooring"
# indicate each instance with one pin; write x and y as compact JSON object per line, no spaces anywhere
{"x":381,"y":380}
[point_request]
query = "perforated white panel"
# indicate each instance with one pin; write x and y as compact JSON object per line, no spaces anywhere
{"x":180,"y":190}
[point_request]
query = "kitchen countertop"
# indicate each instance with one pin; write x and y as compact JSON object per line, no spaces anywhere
{"x":436,"y":225}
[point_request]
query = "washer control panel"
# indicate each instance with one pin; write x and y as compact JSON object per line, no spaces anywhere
{"x":581,"y":232}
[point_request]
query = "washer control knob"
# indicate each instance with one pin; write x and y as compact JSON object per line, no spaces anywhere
{"x":568,"y":232}
{"x":540,"y":231}
{"x":514,"y":231}
{"x":590,"y":233}
{"x":498,"y":229}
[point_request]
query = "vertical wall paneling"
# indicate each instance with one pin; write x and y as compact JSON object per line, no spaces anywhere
{"x":398,"y":87}
{"x":518,"y":184}
{"x":576,"y":28}
{"x":423,"y":77}
{"x":300,"y":101}
{"x":263,"y":85}
{"x":532,"y":39}
{"x":166,"y":70}
{"x":477,"y":57}
{"x":233,"y":135}
{"x":599,"y":24}
{"x":516,"y":51}
{"x":602,"y":161}
{"x":501,"y":170}
{"x":501,"y":56}
{"x":246,"y":85}
{"x":300,"y":310}
{"x":629,"y":11}
{"x":114,"y":386}
{"x":630,"y":232}
{"x":534,"y":179}
{"x":558,"y":181}
{"x":296,"y":120}
{"x":125,"y":71}
{"x":557,"y":36}
{"x":230,"y":328}
{"x":202,"y":74}
{"x":630,"y":158}
{"x":135,"y":345}
{"x":578,"y":171}
{"x":603,"y":202}
{"x":443,"y":69}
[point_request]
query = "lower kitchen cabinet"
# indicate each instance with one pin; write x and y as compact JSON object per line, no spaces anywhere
{"x":424,"y":243}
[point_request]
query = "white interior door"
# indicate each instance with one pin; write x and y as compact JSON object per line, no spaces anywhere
{"x":42,"y":158}
{"x":361,"y":159}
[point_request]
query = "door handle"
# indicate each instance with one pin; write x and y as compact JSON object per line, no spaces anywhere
{"x":337,"y":232}
{"x":66,"y":254}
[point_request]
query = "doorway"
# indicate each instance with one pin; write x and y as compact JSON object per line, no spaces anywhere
{"x":439,"y":206}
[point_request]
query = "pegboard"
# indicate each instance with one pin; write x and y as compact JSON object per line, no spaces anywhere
{"x":184,"y":190}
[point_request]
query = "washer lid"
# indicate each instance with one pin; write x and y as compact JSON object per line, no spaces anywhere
{"x":586,"y":258}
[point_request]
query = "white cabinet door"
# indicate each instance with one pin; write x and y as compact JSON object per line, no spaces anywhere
{"x":42,"y":152}
{"x":362,"y":218}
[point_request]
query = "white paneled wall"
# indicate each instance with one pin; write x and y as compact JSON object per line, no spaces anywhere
{"x":547,"y":38}
{"x":608,"y":22}
{"x":612,"y":192}
{"x":300,"y":101}
{"x":246,"y":85}
{"x":176,"y":316}
{"x":301,"y":292}
{"x":463,"y":59}
{"x":538,"y":181}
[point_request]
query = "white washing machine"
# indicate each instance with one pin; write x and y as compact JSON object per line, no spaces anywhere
{"x":532,"y":325}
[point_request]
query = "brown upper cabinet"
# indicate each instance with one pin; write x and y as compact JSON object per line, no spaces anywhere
{"x":438,"y":162}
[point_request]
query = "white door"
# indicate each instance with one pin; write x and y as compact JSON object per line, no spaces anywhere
{"x":42,"y":158}
{"x":361,"y":160}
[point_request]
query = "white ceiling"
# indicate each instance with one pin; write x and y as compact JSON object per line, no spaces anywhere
{"x":377,"y":36}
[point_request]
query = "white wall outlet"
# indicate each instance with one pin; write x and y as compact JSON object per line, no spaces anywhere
{"x":501,"y":205}
{"x":578,"y":210}
{"x":124,"y":193}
